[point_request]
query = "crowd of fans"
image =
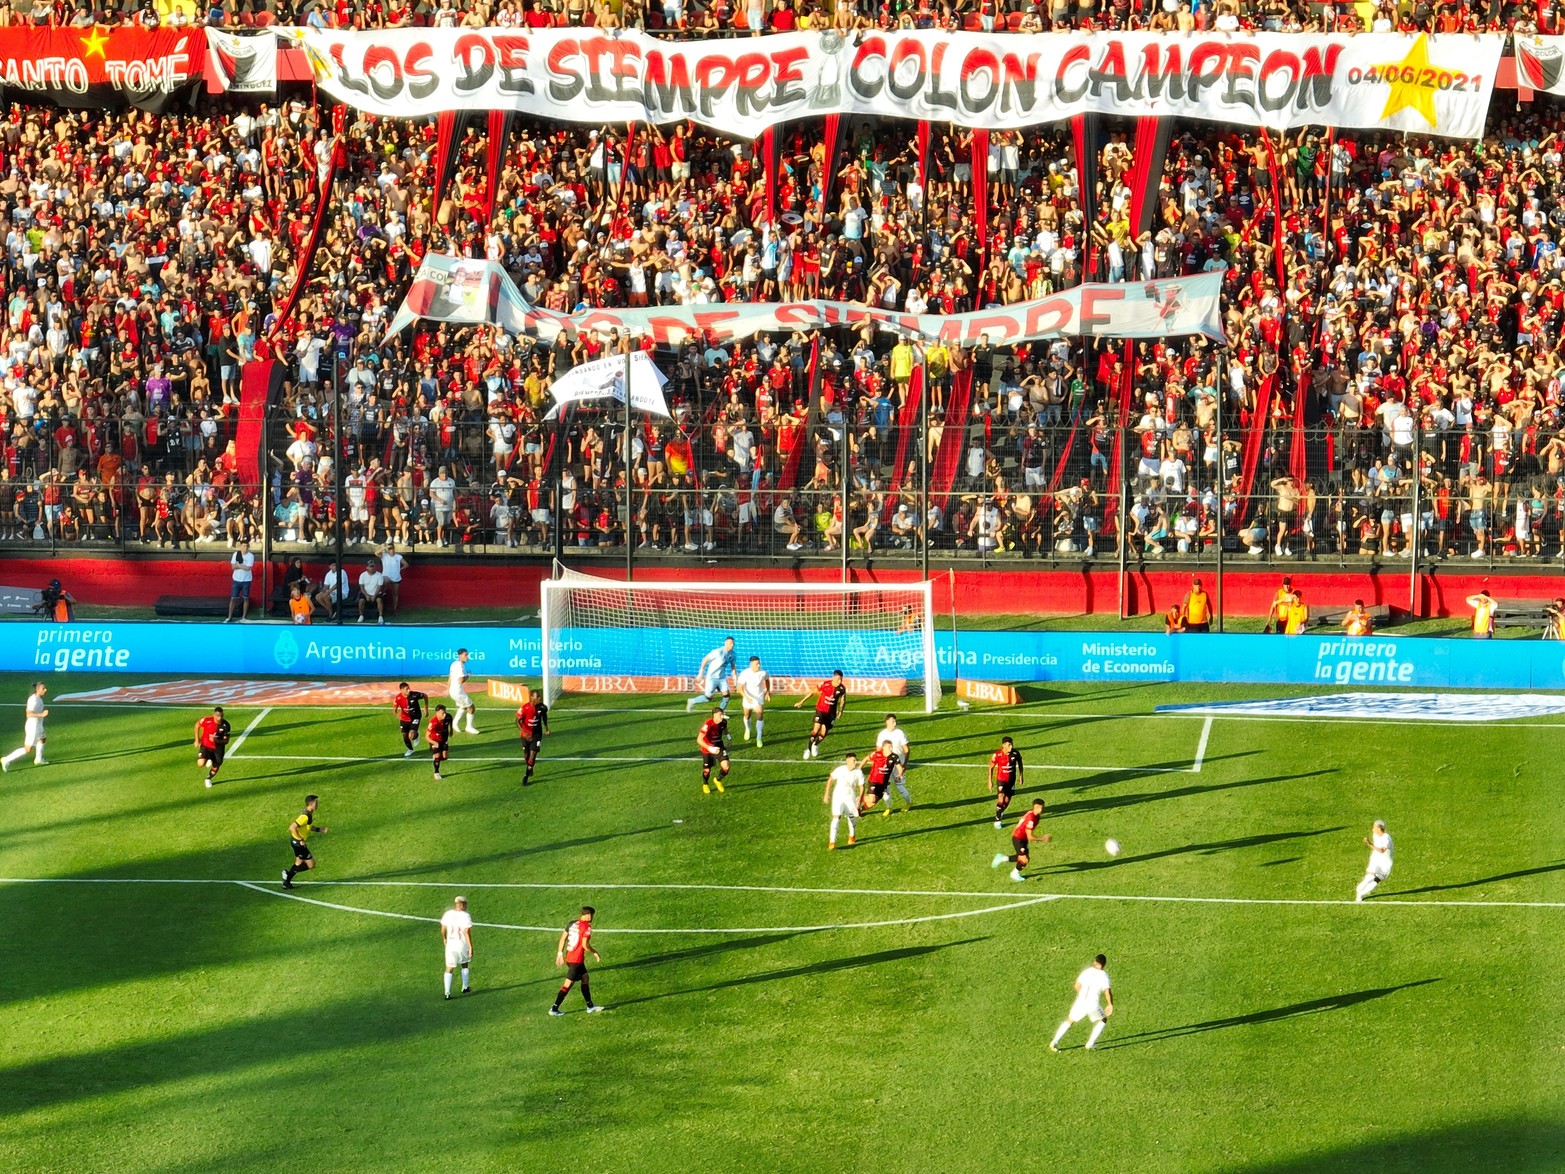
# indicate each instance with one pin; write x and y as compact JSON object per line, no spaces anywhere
{"x":1408,"y":367}
{"x":715,"y":17}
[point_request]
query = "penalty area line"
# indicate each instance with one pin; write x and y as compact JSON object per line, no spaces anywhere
{"x":752,"y":929}
{"x":240,"y":741}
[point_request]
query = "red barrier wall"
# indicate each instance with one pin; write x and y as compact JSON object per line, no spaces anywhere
{"x":138,"y":582}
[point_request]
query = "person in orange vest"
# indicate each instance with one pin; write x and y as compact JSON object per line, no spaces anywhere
{"x":1282,"y":601}
{"x":1358,"y":622}
{"x":1173,"y":620}
{"x":1298,"y":615}
{"x":1197,"y":609}
{"x":56,"y":604}
{"x":1483,"y":606}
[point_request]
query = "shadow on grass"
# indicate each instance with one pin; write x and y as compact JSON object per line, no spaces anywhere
{"x":1208,"y":849}
{"x":705,"y":950}
{"x":1558,"y":866}
{"x":450,"y":866}
{"x":1517,"y":1145}
{"x":1270,"y":1015}
{"x":1110,"y":802}
{"x":829,"y":966}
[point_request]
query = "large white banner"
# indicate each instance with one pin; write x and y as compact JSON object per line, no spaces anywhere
{"x":1417,"y":83}
{"x":604,"y":378}
{"x":242,"y":65}
{"x":1145,"y":309}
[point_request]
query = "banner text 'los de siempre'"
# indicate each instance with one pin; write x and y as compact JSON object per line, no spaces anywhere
{"x":1416,"y":83}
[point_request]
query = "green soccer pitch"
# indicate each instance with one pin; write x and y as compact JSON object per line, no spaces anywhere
{"x":164,"y":1006}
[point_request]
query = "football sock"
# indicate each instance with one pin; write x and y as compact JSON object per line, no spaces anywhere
{"x":903,"y":791}
{"x":292,"y":872}
{"x":585,"y":993}
{"x":832,"y":835}
{"x":723,"y":704}
{"x":14,"y":755}
{"x":706,"y":774}
{"x":760,"y":728}
{"x":448,"y":984}
{"x":1365,"y":888}
{"x":746,"y":727}
{"x":466,"y":981}
{"x":38,"y":755}
{"x":1097,"y":1030}
{"x":1060,"y":1034}
{"x":560,"y":998}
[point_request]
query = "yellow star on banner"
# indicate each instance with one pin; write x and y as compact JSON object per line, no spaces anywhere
{"x":1407,"y":79}
{"x":94,"y":42}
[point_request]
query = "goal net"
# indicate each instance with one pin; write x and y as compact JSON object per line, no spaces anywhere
{"x":607,"y":636}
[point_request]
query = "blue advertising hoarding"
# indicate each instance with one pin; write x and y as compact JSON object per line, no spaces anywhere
{"x":415,"y":650}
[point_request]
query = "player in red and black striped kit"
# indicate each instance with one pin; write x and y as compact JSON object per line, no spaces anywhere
{"x":575,"y":945}
{"x":712,"y":741}
{"x":532,"y":723}
{"x":1005,"y":775}
{"x":409,"y":707}
{"x":212,"y":734}
{"x":438,"y":734}
{"x":830,"y":698}
{"x":1023,"y":837}
{"x":880,"y":767}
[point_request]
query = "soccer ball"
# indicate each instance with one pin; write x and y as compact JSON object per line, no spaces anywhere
{"x":1111,"y":846}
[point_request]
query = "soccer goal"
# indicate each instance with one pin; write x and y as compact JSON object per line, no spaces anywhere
{"x":607,"y":636}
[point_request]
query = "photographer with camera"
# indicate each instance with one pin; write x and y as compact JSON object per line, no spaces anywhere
{"x":56,"y":604}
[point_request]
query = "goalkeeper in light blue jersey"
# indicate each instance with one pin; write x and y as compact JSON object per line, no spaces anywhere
{"x":714,"y":675}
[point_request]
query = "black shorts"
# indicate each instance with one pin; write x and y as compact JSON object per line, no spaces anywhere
{"x":212,"y":755}
{"x":1019,"y":848}
{"x":825,"y":720}
{"x":410,"y":727}
{"x":301,"y":850}
{"x":1198,"y":626}
{"x":576,"y":971}
{"x":437,"y":750}
{"x":878,"y":791}
{"x":1006,"y":789}
{"x":708,"y":761}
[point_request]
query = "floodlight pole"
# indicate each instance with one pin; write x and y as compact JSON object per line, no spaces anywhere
{"x":629,"y":515}
{"x":923,"y":464}
{"x":1413,"y":535}
{"x":1222,"y":481}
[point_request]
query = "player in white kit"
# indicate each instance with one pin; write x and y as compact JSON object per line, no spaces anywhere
{"x":32,"y":729}
{"x":899,"y":745}
{"x":844,"y":793}
{"x":1379,"y":844}
{"x":713,"y":674}
{"x":1091,"y":985}
{"x":456,"y":931}
{"x":755,"y":690}
{"x":464,"y":703}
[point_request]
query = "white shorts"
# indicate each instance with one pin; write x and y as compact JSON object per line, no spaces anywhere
{"x":715,"y":684}
{"x":754,"y":704}
{"x":848,"y":807}
{"x":358,"y":513}
{"x":457,"y":953}
{"x":1085,"y":1011}
{"x":1379,"y":872}
{"x":462,"y":700}
{"x":32,"y":731}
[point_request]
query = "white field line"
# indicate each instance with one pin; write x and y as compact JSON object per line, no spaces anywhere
{"x":1200,"y":748}
{"x":256,"y":720}
{"x":554,"y":929}
{"x":580,"y":886}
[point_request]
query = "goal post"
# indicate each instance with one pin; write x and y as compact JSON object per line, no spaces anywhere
{"x":601,"y":635}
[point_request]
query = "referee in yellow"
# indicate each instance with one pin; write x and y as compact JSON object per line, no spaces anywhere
{"x":299,"y":838}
